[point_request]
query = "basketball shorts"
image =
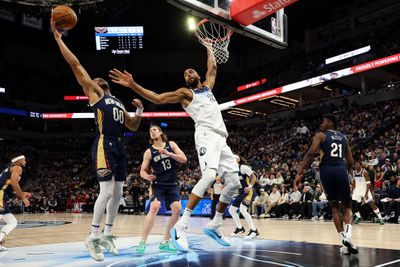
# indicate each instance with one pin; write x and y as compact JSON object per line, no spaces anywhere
{"x":4,"y":208}
{"x":109,"y":157}
{"x":336,"y":183}
{"x":214,"y":153}
{"x":358,"y":195}
{"x":244,"y":198}
{"x":169,"y":194}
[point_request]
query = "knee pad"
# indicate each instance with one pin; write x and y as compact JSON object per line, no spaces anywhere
{"x":242,"y":208}
{"x":232,"y":183}
{"x":207,"y":178}
{"x":232,"y":210}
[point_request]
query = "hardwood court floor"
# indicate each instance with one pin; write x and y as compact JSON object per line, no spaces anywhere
{"x":323,"y":232}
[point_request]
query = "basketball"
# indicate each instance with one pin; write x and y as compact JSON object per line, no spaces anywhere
{"x":64,"y":17}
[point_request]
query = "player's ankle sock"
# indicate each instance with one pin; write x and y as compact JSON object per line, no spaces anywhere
{"x":94,"y":233}
{"x":358,"y":215}
{"x":186,"y":216}
{"x":2,"y":235}
{"x":107,"y":229}
{"x":342,"y":235}
{"x":348,"y":228}
{"x":378,"y":213}
{"x":218,"y":218}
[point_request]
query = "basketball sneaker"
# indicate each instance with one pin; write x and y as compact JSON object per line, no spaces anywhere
{"x":357,"y":220}
{"x":178,"y":236}
{"x":252,"y":234}
{"x":142,"y":247}
{"x":315,"y":218}
{"x":107,"y":241}
{"x":352,"y":248}
{"x":2,"y":247}
{"x":238,"y":231}
{"x":381,"y":221}
{"x":93,"y":246}
{"x":166,"y":246}
{"x":215,"y":232}
{"x":344,"y":250}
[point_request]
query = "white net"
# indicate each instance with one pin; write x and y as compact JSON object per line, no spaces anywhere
{"x":216,"y":38}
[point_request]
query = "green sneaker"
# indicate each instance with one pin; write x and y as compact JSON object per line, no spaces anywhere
{"x":108,"y":243}
{"x":142,"y":247}
{"x":381,"y":221}
{"x":167,"y":247}
{"x":357,"y":220}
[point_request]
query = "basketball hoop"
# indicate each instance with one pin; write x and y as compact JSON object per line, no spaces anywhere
{"x":215,"y":37}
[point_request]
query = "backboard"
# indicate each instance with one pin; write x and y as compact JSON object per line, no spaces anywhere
{"x":271,"y":30}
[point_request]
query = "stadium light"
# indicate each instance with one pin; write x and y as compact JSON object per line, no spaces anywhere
{"x":2,"y":90}
{"x":191,"y":22}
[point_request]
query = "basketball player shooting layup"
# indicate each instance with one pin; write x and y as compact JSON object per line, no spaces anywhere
{"x":210,"y":138}
{"x":334,"y":176}
{"x":108,"y":152}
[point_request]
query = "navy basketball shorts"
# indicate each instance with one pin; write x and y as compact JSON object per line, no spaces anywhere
{"x":244,"y":198}
{"x":169,"y":194}
{"x":336,"y":183}
{"x":109,"y":157}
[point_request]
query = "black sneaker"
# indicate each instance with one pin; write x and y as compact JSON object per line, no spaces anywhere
{"x":238,"y":231}
{"x":252,"y":234}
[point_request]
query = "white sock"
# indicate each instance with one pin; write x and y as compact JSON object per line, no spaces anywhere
{"x":348,"y":228}
{"x":2,"y":235}
{"x":342,"y":235}
{"x":378,"y":213}
{"x":358,"y":215}
{"x":235,"y":216}
{"x":94,"y":233}
{"x":247,"y":217}
{"x":186,"y":216}
{"x":218,"y":218}
{"x":107,"y":229}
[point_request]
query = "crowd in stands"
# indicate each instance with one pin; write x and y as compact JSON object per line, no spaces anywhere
{"x":60,"y":176}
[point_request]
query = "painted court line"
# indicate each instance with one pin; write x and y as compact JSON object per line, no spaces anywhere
{"x":387,"y":263}
{"x":269,"y":262}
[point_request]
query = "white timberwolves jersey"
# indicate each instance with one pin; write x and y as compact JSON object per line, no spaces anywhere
{"x":361,"y":184}
{"x":205,"y":112}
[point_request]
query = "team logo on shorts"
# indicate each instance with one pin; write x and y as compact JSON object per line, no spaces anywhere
{"x":203,"y":151}
{"x":103,"y":172}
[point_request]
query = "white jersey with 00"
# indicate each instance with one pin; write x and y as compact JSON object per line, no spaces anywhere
{"x":210,"y":135}
{"x":360,"y":187}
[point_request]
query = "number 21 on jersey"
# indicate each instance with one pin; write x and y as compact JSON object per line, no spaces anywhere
{"x":336,"y":151}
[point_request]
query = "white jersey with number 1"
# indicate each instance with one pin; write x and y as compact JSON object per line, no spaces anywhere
{"x":361,"y":187}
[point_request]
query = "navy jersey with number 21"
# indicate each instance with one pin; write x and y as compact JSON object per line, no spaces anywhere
{"x":333,"y":149}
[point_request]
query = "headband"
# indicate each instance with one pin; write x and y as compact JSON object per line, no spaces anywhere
{"x":17,"y":158}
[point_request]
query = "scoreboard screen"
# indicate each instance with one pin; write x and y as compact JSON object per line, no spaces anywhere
{"x":119,"y":40}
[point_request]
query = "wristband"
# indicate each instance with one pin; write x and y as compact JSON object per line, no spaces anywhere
{"x":139,"y":112}
{"x":368,"y":182}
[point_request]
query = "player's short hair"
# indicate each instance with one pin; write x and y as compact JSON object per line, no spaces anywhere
{"x":163,"y":135}
{"x":333,"y":119}
{"x":242,"y":161}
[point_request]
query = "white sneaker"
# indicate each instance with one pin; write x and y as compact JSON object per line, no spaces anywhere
{"x":178,"y":237}
{"x":285,"y":216}
{"x":344,"y":251}
{"x":2,"y":248}
{"x":267,"y":215}
{"x":107,"y":241}
{"x":315,"y":218}
{"x":352,"y":248}
{"x":252,"y":234}
{"x":93,"y":246}
{"x":321,"y":217}
{"x":215,"y":232}
{"x":262,"y":215}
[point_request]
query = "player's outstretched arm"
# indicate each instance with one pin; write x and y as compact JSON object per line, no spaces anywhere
{"x":132,"y":123}
{"x":15,"y":174}
{"x":146,"y":166}
{"x":177,"y":154}
{"x":211,"y":70}
{"x":126,"y":79}
{"x":91,"y":90}
{"x":309,"y":156}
